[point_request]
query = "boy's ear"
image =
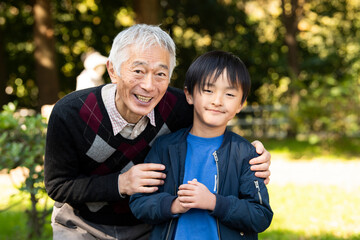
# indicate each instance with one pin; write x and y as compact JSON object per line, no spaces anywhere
{"x":111,"y":71}
{"x":189,"y":97}
{"x":241,"y":106}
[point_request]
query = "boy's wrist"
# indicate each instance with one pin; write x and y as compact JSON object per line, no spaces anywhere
{"x":175,"y":206}
{"x":212,"y":202}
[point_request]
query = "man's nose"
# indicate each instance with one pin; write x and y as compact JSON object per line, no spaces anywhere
{"x":148,"y":82}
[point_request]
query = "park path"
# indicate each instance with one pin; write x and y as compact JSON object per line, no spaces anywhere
{"x":344,"y":174}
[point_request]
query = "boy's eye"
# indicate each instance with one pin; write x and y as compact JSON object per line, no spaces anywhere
{"x":230,"y":95}
{"x":207,"y":90}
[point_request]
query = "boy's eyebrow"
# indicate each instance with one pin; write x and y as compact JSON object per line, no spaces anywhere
{"x":209,"y":84}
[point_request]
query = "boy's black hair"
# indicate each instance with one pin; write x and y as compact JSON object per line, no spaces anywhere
{"x":208,"y":67}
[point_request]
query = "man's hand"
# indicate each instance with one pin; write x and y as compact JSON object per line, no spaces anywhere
{"x":262,"y":163}
{"x":141,"y":178}
{"x":196,"y":195}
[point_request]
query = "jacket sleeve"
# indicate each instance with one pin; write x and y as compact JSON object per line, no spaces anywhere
{"x":153,"y":208}
{"x":250,"y":211}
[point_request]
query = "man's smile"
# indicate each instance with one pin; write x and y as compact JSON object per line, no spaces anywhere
{"x":143,"y":98}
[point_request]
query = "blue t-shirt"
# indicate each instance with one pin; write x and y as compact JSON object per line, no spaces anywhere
{"x":199,"y":164}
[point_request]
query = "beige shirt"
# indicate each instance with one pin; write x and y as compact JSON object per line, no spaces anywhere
{"x":119,"y":124}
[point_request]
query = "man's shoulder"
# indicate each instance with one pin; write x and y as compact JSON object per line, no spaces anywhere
{"x":176,"y":91}
{"x":80,"y":95}
{"x":76,"y":99}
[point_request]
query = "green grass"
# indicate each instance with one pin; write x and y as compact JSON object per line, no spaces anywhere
{"x":344,"y":149}
{"x":13,"y":219}
{"x":313,"y":212}
{"x":300,"y":212}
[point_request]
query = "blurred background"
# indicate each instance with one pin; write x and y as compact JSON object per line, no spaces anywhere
{"x":304,"y":60}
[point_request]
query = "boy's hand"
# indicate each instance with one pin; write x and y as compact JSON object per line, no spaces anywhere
{"x":176,"y":207}
{"x":262,"y":163}
{"x":196,"y":195}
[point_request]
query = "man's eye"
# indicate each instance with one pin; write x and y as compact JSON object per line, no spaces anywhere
{"x":161,"y":74}
{"x":137,"y":71}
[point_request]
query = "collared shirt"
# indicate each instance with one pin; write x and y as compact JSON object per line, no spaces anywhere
{"x":119,"y":124}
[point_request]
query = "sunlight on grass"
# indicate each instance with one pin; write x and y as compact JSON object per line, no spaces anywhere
{"x":313,"y":212}
{"x":302,"y":211}
{"x":342,"y":149}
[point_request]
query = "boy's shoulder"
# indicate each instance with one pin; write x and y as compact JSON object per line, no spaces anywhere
{"x":237,"y":138}
{"x":238,"y":141}
{"x":172,"y":138}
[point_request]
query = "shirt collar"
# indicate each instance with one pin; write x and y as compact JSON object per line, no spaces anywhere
{"x":117,"y":121}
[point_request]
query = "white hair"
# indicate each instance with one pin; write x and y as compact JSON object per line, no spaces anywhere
{"x":144,"y":36}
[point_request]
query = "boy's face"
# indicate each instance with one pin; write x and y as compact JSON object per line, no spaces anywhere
{"x":215,"y":105}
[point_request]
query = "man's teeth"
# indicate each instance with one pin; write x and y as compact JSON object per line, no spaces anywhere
{"x":143,"y":99}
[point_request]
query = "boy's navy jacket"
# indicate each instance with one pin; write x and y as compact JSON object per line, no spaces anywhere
{"x":242,"y":202}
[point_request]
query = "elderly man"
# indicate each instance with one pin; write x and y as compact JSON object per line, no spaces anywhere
{"x":98,"y":138}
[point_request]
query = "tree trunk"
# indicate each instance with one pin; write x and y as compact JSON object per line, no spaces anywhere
{"x":45,"y":54}
{"x":3,"y":72}
{"x":291,"y":18}
{"x":147,"y":11}
{"x":292,"y":11}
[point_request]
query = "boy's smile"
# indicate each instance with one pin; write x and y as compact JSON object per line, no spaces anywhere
{"x":214,"y":106}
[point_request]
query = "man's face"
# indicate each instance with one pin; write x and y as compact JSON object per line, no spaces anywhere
{"x":143,"y":81}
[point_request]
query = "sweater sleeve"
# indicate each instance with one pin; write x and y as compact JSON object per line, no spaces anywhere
{"x":153,"y":208}
{"x":64,"y":181}
{"x":250,"y":210}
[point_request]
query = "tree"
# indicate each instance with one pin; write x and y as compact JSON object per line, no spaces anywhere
{"x":147,"y":11}
{"x":3,"y":71}
{"x":292,"y":11}
{"x":45,"y":53}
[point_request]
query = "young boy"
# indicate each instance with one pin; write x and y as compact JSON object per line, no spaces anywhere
{"x":209,"y":191}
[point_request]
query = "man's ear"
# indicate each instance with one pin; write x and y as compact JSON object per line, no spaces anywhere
{"x":111,"y":71}
{"x":189,"y":97}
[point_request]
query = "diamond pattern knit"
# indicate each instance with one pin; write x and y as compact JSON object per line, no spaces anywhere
{"x":83,"y":158}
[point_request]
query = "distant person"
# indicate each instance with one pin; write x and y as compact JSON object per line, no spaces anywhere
{"x":209,"y":191}
{"x":94,"y":69}
{"x":98,"y":138}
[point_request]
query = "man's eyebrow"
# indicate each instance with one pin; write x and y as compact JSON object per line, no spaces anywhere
{"x":137,"y":63}
{"x":164,"y":66}
{"x":142,"y":63}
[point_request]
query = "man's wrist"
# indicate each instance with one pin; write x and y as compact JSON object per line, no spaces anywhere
{"x":121,"y":193}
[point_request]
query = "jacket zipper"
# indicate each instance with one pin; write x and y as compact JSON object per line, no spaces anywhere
{"x":217,"y":187}
{"x":258,"y":188}
{"x":168,"y":231}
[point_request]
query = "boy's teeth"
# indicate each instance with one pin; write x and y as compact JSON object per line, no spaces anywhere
{"x":143,"y":99}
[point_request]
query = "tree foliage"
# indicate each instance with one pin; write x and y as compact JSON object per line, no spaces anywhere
{"x":22,"y":144}
{"x":323,"y":95}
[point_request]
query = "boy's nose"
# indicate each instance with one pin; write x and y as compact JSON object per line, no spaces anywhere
{"x":217,"y":100}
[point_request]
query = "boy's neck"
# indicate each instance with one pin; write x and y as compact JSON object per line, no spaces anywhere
{"x":207,"y":131}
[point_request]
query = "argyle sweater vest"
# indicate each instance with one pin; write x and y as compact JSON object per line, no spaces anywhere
{"x":83,"y":158}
